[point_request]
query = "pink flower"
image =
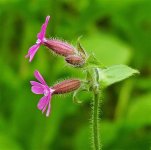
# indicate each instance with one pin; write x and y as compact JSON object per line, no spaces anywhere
{"x":42,"y":88}
{"x":40,"y":40}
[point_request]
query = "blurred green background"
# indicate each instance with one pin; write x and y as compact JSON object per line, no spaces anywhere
{"x":118,"y":32}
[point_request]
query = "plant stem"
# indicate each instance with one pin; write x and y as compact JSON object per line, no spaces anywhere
{"x":95,"y":113}
{"x":95,"y":122}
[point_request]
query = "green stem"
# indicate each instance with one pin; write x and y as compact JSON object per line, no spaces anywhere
{"x":95,"y":122}
{"x":95,"y":112}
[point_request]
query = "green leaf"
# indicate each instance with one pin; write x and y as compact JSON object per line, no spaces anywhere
{"x":115,"y":74}
{"x":105,"y":46}
{"x":139,"y":112}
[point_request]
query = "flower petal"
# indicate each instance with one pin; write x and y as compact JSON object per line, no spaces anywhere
{"x":45,"y":107}
{"x":37,"y":90}
{"x":42,"y":33}
{"x":39,"y":77}
{"x":32,"y":51}
{"x":42,"y":102}
{"x":48,"y":109}
{"x":34,"y":83}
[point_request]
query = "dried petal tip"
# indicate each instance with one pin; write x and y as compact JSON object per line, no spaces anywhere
{"x":60,"y":47}
{"x":66,"y":86}
{"x":75,"y":60}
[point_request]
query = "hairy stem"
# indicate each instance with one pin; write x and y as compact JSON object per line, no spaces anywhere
{"x":95,"y":113}
{"x":95,"y":122}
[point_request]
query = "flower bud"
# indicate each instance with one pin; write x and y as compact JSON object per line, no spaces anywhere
{"x":75,"y":60}
{"x":66,"y":86}
{"x":59,"y":47}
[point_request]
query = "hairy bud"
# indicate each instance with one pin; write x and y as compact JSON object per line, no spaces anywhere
{"x":59,"y":47}
{"x":75,"y":60}
{"x":66,"y":86}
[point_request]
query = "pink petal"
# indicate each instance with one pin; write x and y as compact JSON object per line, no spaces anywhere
{"x":48,"y":110}
{"x":47,"y":103}
{"x":39,"y":77}
{"x":42,"y":33}
{"x":37,"y":90}
{"x":45,"y":107}
{"x":42,"y":102}
{"x":32,"y":51}
{"x":34,"y":83}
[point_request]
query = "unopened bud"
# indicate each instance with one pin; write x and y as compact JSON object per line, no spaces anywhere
{"x":75,"y":60}
{"x":66,"y":86}
{"x":59,"y":47}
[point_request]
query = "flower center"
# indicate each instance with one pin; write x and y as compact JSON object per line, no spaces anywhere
{"x":51,"y":90}
{"x":44,"y":40}
{"x":39,"y":41}
{"x":46,"y":92}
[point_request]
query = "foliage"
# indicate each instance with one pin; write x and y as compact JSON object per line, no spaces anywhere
{"x":117,"y":32}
